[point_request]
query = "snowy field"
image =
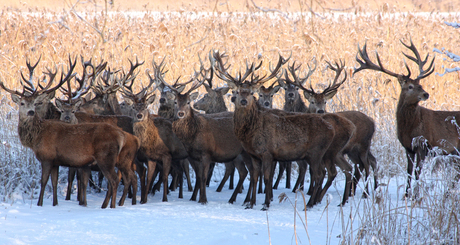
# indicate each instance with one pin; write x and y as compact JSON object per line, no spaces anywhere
{"x":178,"y":221}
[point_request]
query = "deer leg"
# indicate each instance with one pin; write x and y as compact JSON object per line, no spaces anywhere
{"x":185,"y":166}
{"x":373,"y":164}
{"x":166,"y":168}
{"x":181,"y":178}
{"x":301,"y":178}
{"x":282,"y":167}
{"x":205,"y":168}
{"x":85,"y":172}
{"x":228,"y":168}
{"x":249,"y":166}
{"x":151,"y":165}
{"x":197,"y":168}
{"x":100,"y":177}
{"x":260,"y":190}
{"x":70,"y":178}
{"x":267,"y":165}
{"x":288,"y":174}
{"x":239,"y":164}
{"x":209,"y":173}
{"x":410,"y":167}
{"x":256,"y":164}
{"x":358,"y":165}
{"x":232,"y":177}
{"x":54,"y":179}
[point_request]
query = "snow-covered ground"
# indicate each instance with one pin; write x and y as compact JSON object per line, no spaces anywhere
{"x":178,"y":221}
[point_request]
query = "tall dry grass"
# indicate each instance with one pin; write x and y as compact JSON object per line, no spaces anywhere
{"x":245,"y":37}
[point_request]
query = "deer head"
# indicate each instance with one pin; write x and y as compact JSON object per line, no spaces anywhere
{"x":36,"y":100}
{"x":243,"y":87}
{"x":411,"y":90}
{"x":318,"y":100}
{"x":266,"y":94}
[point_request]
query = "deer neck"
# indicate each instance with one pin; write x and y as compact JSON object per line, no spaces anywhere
{"x":296,"y":105}
{"x":408,"y":117}
{"x":29,"y":130}
{"x":167,"y":111}
{"x":187,"y":128}
{"x":245,"y":120}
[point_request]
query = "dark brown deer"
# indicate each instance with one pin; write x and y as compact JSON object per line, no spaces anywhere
{"x":167,"y":109}
{"x":207,"y":138}
{"x":269,"y":136}
{"x":358,"y":149}
{"x":158,"y":142}
{"x":59,"y":144}
{"x":414,"y":122}
{"x":213,"y":102}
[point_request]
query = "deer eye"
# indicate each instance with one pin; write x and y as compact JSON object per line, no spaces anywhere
{"x":411,"y":86}
{"x":313,"y":103}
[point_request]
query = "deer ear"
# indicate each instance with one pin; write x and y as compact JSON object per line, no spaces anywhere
{"x":87,"y":97}
{"x":401,"y":80}
{"x":128,"y":100}
{"x":224,"y":90}
{"x":307,"y":95}
{"x":45,"y":97}
{"x":180,"y":88}
{"x":193,"y":96}
{"x":170,"y":96}
{"x":78,"y":104}
{"x":208,"y":89}
{"x":276,"y":89}
{"x":58,"y":104}
{"x":232,"y":86}
{"x":151,"y":99}
{"x":329,"y":95}
{"x":282,"y":83}
{"x":16,"y":98}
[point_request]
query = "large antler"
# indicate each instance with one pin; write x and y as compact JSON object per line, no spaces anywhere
{"x":299,"y":81}
{"x":338,"y":70}
{"x":225,"y":76}
{"x":418,"y":60}
{"x":274,"y":72}
{"x":367,"y":64}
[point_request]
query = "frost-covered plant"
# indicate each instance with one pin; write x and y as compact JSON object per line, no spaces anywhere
{"x":450,"y":55}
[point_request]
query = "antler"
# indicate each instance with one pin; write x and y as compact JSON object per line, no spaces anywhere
{"x":366,"y":63}
{"x":418,"y":60}
{"x":225,"y":76}
{"x":338,"y":70}
{"x":299,"y":81}
{"x":274,"y":72}
{"x":31,"y":88}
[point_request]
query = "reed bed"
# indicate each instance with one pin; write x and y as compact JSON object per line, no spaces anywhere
{"x":181,"y":37}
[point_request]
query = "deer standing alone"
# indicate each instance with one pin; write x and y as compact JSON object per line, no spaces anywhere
{"x":414,"y":122}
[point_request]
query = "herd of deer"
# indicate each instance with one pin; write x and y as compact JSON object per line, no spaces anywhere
{"x":102,"y":134}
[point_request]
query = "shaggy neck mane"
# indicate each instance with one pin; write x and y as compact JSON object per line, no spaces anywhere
{"x":186,"y":128}
{"x":166,"y":111}
{"x":245,"y":120}
{"x":29,"y":129}
{"x":295,"y":106}
{"x":407,"y":116}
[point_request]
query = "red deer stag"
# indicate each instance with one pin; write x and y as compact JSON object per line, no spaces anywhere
{"x":207,"y":138}
{"x":358,"y":149}
{"x":60,"y":144}
{"x":268,"y":135}
{"x":70,"y":114}
{"x":413,"y":122}
{"x":158,"y":142}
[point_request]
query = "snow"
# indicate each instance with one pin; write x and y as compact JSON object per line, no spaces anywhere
{"x":178,"y":221}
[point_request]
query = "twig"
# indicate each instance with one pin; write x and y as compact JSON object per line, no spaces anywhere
{"x":201,"y":40}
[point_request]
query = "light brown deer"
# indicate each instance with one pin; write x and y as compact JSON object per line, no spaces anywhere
{"x":414,"y":122}
{"x":59,"y":144}
{"x":70,"y":114}
{"x":358,"y":149}
{"x":270,"y":136}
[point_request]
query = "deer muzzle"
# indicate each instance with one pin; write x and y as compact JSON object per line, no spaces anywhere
{"x":30,"y":113}
{"x":181,"y":114}
{"x":243,"y":102}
